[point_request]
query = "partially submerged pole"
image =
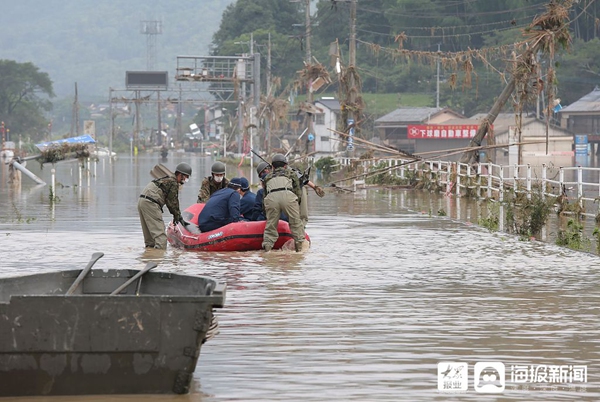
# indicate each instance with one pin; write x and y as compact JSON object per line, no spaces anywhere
{"x":27,"y":173}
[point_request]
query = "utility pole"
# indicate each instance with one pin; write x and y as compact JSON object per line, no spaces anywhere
{"x":160,"y":139}
{"x":75,"y":115}
{"x":437,"y":90}
{"x":268,"y":121}
{"x":309,"y":95}
{"x":352,"y":64}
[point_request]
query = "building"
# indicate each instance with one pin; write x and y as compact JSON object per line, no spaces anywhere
{"x":536,"y":134}
{"x":583,"y":117}
{"x":326,"y":142}
{"x":392,"y":128}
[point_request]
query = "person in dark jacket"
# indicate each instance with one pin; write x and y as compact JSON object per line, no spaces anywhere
{"x":248,"y":199}
{"x":222,"y":208}
{"x":157,"y":194}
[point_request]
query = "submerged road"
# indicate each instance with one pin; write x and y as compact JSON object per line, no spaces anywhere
{"x":387,"y":305}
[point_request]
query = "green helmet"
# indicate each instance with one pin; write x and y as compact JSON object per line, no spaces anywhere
{"x":261,"y":166}
{"x":184,"y":168}
{"x":218,"y":168}
{"x":279,"y":160}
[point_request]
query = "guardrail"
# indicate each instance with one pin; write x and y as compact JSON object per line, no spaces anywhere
{"x":487,"y":180}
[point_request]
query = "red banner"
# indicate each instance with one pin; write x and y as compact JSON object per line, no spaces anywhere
{"x":442,"y":131}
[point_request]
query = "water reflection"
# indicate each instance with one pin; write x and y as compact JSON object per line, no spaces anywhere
{"x":387,"y":290}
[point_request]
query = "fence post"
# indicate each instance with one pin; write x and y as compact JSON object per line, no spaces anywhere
{"x":458,"y":179}
{"x":489,"y":179}
{"x":561,"y":183}
{"x":544,"y":178}
{"x":528,"y":181}
{"x":580,"y":186}
{"x":478,"y":180}
{"x":448,"y":178}
{"x":501,"y":186}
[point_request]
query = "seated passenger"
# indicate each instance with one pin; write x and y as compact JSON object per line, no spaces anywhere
{"x":247,"y":201}
{"x":216,"y":181}
{"x":222,"y":208}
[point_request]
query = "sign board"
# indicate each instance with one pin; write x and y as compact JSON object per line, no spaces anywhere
{"x":82,"y":139}
{"x":146,"y":80}
{"x":442,"y":131}
{"x":89,"y":127}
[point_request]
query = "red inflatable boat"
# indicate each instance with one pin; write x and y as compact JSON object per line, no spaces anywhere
{"x":238,"y":236}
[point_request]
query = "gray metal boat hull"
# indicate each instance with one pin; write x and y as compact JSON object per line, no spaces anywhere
{"x":94,"y":343}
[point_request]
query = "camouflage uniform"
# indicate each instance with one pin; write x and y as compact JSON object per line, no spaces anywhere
{"x":157,"y":194}
{"x":282,"y":194}
{"x":209,"y":186}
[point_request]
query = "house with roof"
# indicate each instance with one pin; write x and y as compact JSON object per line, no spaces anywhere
{"x":393,"y":128}
{"x":582,"y":118}
{"x":540,"y":143}
{"x":326,"y":142}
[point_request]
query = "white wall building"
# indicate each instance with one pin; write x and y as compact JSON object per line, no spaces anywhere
{"x":326,"y":142}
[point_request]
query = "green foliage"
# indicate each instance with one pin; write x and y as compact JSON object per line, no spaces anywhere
{"x":492,"y":221}
{"x":386,"y":177}
{"x":577,"y":71}
{"x":572,"y":236}
{"x":24,"y":93}
{"x":326,"y":166}
{"x":527,"y":216}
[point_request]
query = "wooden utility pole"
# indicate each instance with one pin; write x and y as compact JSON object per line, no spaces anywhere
{"x":309,"y":95}
{"x":75,"y":115}
{"x":352,"y":84}
{"x":268,"y":120}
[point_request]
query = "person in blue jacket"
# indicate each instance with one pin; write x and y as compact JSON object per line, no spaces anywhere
{"x":222,"y":208}
{"x":248,"y":199}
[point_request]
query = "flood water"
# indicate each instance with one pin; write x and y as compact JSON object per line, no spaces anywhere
{"x":386,"y":292}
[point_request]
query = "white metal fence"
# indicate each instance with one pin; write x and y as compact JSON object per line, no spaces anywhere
{"x":487,"y":180}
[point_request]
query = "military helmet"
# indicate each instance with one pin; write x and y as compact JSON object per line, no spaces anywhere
{"x":261,"y":166}
{"x":184,"y":168}
{"x":218,"y":168}
{"x":279,"y":160}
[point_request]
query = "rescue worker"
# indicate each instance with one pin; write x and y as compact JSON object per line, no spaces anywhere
{"x":248,"y":199}
{"x":216,"y":181}
{"x":222,"y":208}
{"x":158,"y":193}
{"x":282,"y":194}
{"x":258,"y":211}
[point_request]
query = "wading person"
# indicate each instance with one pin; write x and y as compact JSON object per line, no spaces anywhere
{"x":216,"y":181}
{"x":157,"y":194}
{"x":282,"y":194}
{"x":222,"y":208}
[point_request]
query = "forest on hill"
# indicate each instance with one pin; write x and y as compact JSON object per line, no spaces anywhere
{"x":94,"y":43}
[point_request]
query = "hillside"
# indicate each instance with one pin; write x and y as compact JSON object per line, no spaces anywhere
{"x":93,"y":43}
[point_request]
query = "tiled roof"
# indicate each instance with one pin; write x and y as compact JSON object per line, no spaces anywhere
{"x":589,"y":103}
{"x":408,"y":115}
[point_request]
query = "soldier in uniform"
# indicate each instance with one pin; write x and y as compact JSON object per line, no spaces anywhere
{"x":282,"y":194}
{"x":157,"y":194}
{"x":216,"y":181}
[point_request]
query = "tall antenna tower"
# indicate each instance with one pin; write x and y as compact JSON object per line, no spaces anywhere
{"x":151,"y":29}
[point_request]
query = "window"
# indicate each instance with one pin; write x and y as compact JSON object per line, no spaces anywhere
{"x":324,"y":138}
{"x":321,"y":119}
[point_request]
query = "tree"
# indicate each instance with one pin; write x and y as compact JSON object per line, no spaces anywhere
{"x":24,"y":97}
